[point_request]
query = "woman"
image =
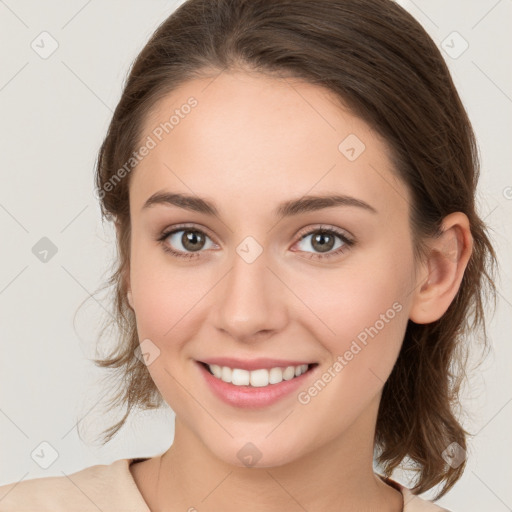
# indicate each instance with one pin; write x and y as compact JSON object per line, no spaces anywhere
{"x":293,"y":187}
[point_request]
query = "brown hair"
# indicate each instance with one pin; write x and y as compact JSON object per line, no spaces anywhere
{"x":384,"y":66}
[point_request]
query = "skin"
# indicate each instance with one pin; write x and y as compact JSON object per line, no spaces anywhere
{"x":250,"y":143}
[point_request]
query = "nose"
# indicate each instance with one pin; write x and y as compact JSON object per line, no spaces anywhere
{"x":251,"y":304}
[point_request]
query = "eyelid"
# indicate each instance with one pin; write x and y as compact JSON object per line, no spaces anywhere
{"x":326,"y":227}
{"x":190,"y":225}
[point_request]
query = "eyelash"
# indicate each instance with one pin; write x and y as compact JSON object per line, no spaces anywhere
{"x":330,"y":230}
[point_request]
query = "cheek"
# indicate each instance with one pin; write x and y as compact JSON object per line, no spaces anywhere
{"x":354,"y":300}
{"x":363,"y":316}
{"x":164,"y":293}
{"x":369,"y":326}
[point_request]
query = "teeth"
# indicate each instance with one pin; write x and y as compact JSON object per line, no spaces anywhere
{"x":256,"y":378}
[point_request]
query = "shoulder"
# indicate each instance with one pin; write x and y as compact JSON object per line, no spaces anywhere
{"x":105,"y":487}
{"x":412,"y":502}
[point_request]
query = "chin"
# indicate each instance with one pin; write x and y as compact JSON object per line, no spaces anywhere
{"x":258,"y":452}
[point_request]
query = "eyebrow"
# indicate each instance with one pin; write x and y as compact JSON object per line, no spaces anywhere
{"x":289,"y":208}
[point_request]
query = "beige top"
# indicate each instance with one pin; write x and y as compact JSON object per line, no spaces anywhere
{"x":111,"y":488}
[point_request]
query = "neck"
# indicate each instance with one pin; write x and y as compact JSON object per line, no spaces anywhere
{"x":338,"y":476}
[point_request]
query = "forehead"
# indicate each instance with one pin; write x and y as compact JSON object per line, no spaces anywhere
{"x":250,"y":135}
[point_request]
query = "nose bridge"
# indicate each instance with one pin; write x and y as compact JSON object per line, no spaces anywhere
{"x":248,"y":302}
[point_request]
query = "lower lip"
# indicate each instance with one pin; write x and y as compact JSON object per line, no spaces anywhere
{"x":249,"y":397}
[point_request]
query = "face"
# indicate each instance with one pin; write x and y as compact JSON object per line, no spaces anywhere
{"x":326,"y":284}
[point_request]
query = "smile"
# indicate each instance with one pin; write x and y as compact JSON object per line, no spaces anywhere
{"x":256,"y":378}
{"x":255,"y":387}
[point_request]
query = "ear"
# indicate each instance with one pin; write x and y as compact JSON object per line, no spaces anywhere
{"x":126,"y":274}
{"x":440,"y":277}
{"x":130,"y":299}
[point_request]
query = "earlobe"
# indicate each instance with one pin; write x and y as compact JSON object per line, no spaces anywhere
{"x":130,"y":300}
{"x":443,"y":271}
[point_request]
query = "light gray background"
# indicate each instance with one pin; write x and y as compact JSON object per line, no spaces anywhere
{"x":54,"y":114}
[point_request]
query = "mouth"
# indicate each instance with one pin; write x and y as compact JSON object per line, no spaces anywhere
{"x":259,"y":385}
{"x":258,"y":377}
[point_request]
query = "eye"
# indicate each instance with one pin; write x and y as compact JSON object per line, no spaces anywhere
{"x":185,"y":238}
{"x":190,"y":241}
{"x":323,"y":239}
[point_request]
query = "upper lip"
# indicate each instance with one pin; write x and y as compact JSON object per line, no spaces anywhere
{"x":253,"y":364}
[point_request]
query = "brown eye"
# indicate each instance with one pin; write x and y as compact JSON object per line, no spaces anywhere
{"x":185,"y":242}
{"x":192,"y":240}
{"x":324,"y":242}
